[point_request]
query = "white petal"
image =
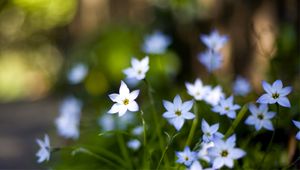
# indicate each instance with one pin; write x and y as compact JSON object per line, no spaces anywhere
{"x":187,"y":106}
{"x":188,"y":115}
{"x":253,"y":109}
{"x":114,"y":97}
{"x":114,"y":109}
{"x":177,"y":101}
{"x":218,"y":163}
{"x":285,"y":91}
{"x":169,"y":106}
{"x":268,"y":125}
{"x":251,"y":120}
{"x":169,"y":115}
{"x":231,"y":114}
{"x":130,"y":73}
{"x":277,"y":85}
{"x":265,"y":98}
{"x":122,"y":110}
{"x":298,"y":135}
{"x":134,"y":94}
{"x":133,"y":106}
{"x":178,"y":123}
{"x":214,"y":128}
{"x":123,"y":91}
{"x":267,"y":87}
{"x":237,"y":153}
{"x":269,"y":115}
{"x":204,"y":126}
{"x":296,"y":123}
{"x":228,"y":162}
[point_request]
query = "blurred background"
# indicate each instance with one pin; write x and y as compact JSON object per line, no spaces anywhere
{"x":42,"y":40}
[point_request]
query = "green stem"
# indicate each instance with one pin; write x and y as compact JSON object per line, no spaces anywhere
{"x":272,"y":138}
{"x":194,"y":126}
{"x":124,"y":150}
{"x":236,"y":122}
{"x":156,"y":120}
{"x":144,"y":129}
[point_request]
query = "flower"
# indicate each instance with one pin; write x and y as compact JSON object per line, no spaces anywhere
{"x":197,"y":90}
{"x":275,"y":94}
{"x":297,"y":124}
{"x":107,"y":122}
{"x":156,"y":43}
{"x":125,"y":100}
{"x":210,"y":133}
{"x":77,"y":73}
{"x":227,"y":107}
{"x":44,"y":152}
{"x":67,"y":123}
{"x":187,"y":157}
{"x":224,"y":152}
{"x":134,"y":144}
{"x":214,"y":96}
{"x":212,"y":60}
{"x":241,"y":86}
{"x":139,"y":68}
{"x":203,"y":152}
{"x":260,"y":117}
{"x":214,"y":41}
{"x":177,"y":111}
{"x":138,"y":130}
{"x":196,"y":166}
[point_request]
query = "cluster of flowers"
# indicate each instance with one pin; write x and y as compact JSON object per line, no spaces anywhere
{"x":216,"y":150}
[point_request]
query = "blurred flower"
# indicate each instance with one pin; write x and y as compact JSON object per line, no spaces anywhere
{"x":203,"y":152}
{"x":197,"y":90}
{"x":211,"y":60}
{"x":138,"y":70}
{"x":187,"y":157}
{"x":275,"y":94}
{"x":124,"y":100}
{"x":214,"y":96}
{"x":107,"y":122}
{"x":134,"y":144}
{"x":210,"y":133}
{"x":68,"y":121}
{"x":227,"y":107}
{"x":138,"y":130}
{"x":177,"y":111}
{"x":77,"y":73}
{"x":44,"y":152}
{"x":214,"y":41}
{"x":156,"y":43}
{"x":241,"y":86}
{"x":224,"y":153}
{"x":260,"y":117}
{"x":196,"y":166}
{"x":297,"y":124}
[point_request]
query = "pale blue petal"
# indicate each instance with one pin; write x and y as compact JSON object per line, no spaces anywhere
{"x":263,"y":108}
{"x":253,"y":109}
{"x":237,"y":153}
{"x":277,"y":85}
{"x":178,"y":123}
{"x":285,"y":91}
{"x":204,"y":126}
{"x":187,"y":106}
{"x":188,"y":115}
{"x":177,"y":101}
{"x":218,"y":163}
{"x":258,"y":126}
{"x":296,"y":123}
{"x":269,"y":115}
{"x":298,"y":135}
{"x":231,"y":114}
{"x":169,"y":106}
{"x":251,"y":120}
{"x":267,"y":124}
{"x":265,"y":98}
{"x":284,"y":101}
{"x":169,"y":115}
{"x":214,"y":128}
{"x":228,"y":162}
{"x":267,"y":87}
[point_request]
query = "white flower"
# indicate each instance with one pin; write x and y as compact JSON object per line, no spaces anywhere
{"x":156,"y":43}
{"x":77,"y":73}
{"x":196,"y":166}
{"x":124,"y":101}
{"x":224,"y":153}
{"x":275,"y":94}
{"x":67,"y":123}
{"x":210,"y":133}
{"x":260,"y":117}
{"x":214,"y":96}
{"x":134,"y":144}
{"x":212,"y":60}
{"x":214,"y":41}
{"x":241,"y":86}
{"x":197,"y":90}
{"x":227,"y":107}
{"x":177,"y":111}
{"x":138,"y":68}
{"x":44,"y":153}
{"x":187,"y":157}
{"x":297,"y":124}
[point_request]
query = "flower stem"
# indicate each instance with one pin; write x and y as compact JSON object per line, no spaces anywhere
{"x":236,"y":122}
{"x":124,"y":150}
{"x":156,"y":120}
{"x":272,"y":138}
{"x":194,"y":126}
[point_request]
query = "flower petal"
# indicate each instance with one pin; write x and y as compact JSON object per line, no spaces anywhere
{"x":114,"y":97}
{"x":237,"y":153}
{"x":298,"y":135}
{"x":178,"y":123}
{"x":296,"y":123}
{"x":284,"y":101}
{"x":177,"y":101}
{"x":169,"y":115}
{"x":277,"y":85}
{"x":133,"y":106}
{"x":134,"y":94}
{"x":285,"y":91}
{"x":250,"y":120}
{"x":169,"y":106}
{"x":265,"y":98}
{"x":253,"y":109}
{"x":114,"y":109}
{"x":218,"y":163}
{"x":123,"y":91}
{"x":267,"y":87}
{"x":188,"y":115}
{"x":267,"y":124}
{"x":187,"y":106}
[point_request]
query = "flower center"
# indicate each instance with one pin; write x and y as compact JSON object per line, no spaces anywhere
{"x":227,"y":108}
{"x":197,"y":93}
{"x":139,"y":71}
{"x":126,"y":102}
{"x":260,"y":116}
{"x":275,"y":95}
{"x":224,"y":153}
{"x":178,"y":112}
{"x":208,"y":134}
{"x":186,"y":158}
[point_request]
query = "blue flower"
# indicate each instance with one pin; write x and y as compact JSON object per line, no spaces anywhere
{"x":156,"y":43}
{"x":275,"y":94}
{"x":224,"y":152}
{"x":197,"y":90}
{"x":177,"y":111}
{"x":44,"y":152}
{"x":227,"y":107}
{"x":260,"y":117}
{"x":214,"y":95}
{"x":297,"y":124}
{"x":211,"y":60}
{"x":241,"y":86}
{"x":187,"y":157}
{"x":210,"y":133}
{"x":214,"y":41}
{"x":77,"y":73}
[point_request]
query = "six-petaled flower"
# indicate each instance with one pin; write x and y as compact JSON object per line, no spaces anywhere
{"x":44,"y":152}
{"x":138,"y":68}
{"x":226,"y":107}
{"x":187,"y":157}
